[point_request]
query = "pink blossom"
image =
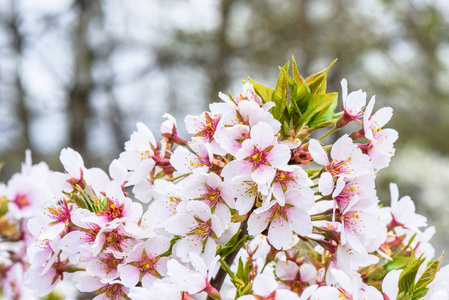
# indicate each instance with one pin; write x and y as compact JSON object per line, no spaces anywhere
{"x":198,"y":228}
{"x":184,"y":161}
{"x":144,"y":262}
{"x":283,"y":220}
{"x":259,"y":156}
{"x":196,"y":279}
{"x":265,"y":287}
{"x":381,"y":139}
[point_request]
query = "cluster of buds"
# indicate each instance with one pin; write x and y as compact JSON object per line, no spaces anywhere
{"x":253,"y":206}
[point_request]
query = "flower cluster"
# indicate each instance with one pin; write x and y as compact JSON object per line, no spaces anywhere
{"x":253,"y":206}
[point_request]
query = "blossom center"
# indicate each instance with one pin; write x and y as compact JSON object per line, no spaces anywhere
{"x":21,"y":201}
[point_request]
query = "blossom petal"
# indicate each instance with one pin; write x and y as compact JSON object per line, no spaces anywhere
{"x":317,"y":152}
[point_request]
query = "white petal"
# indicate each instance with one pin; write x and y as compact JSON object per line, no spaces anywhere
{"x":317,"y":152}
{"x":264,"y":285}
{"x":299,"y":221}
{"x":342,"y":148}
{"x":280,"y":234}
{"x":326,"y":184}
{"x":129,"y":275}
{"x":286,"y":270}
{"x":390,"y":284}
{"x":382,"y":116}
{"x":263,"y":174}
{"x":258,"y":222}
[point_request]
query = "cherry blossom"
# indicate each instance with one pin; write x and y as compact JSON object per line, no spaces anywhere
{"x":283,"y":220}
{"x":259,"y":156}
{"x":381,"y":139}
{"x":144,"y":262}
{"x":265,"y":287}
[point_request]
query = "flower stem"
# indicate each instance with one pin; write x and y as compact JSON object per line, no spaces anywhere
{"x":329,"y":132}
{"x":217,"y":282}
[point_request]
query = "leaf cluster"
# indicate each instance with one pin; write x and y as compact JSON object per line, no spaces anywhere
{"x":300,"y":104}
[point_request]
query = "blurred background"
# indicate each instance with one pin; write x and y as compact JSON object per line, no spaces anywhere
{"x":81,"y":73}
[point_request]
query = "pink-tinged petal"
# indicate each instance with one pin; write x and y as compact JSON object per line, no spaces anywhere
{"x":184,"y":278}
{"x":353,"y":240}
{"x":216,"y":226}
{"x":279,"y":156}
{"x":244,"y":203}
{"x":263,"y":285}
{"x":325,"y":293}
{"x":88,"y":284}
{"x":236,"y":168}
{"x":129,"y":275}
{"x":229,"y":136}
{"x":286,"y":270}
{"x":263,"y":174}
{"x":117,"y":171}
{"x":280,"y":234}
{"x":382,"y":116}
{"x":191,"y":243}
{"x":342,"y":148}
{"x":368,"y":111}
{"x":373,"y":293}
{"x":339,"y":187}
{"x":317,"y":152}
{"x":147,"y":280}
{"x":97,"y":179}
{"x":258,"y":222}
{"x":344,"y":90}
{"x":299,"y":221}
{"x":379,"y":158}
{"x":157,"y":245}
{"x":71,"y":242}
{"x":326,"y":184}
{"x":282,"y":294}
{"x":199,"y":209}
{"x":183,"y":160}
{"x":198,"y":264}
{"x":390,"y":284}
{"x":308,"y":292}
{"x":278,"y":194}
{"x":72,"y":162}
{"x":262,"y":135}
{"x":146,"y":133}
{"x":246,"y":150}
{"x":308,"y":273}
{"x":223,"y":214}
{"x":141,"y":171}
{"x":52,"y":231}
{"x":161,"y":265}
{"x":394,"y":194}
{"x":210,"y":249}
{"x":226,"y":194}
{"x":343,"y":280}
{"x":181,"y":224}
{"x":391,"y":135}
{"x":97,"y":267}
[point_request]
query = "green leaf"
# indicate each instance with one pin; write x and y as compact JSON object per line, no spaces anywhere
{"x":264,"y":92}
{"x":407,"y":278}
{"x":302,"y":91}
{"x":232,"y":245}
{"x":427,"y":277}
{"x":278,"y":97}
{"x":318,"y":108}
{"x":404,"y":296}
{"x":326,"y":115}
{"x":317,"y":82}
{"x":399,"y":262}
